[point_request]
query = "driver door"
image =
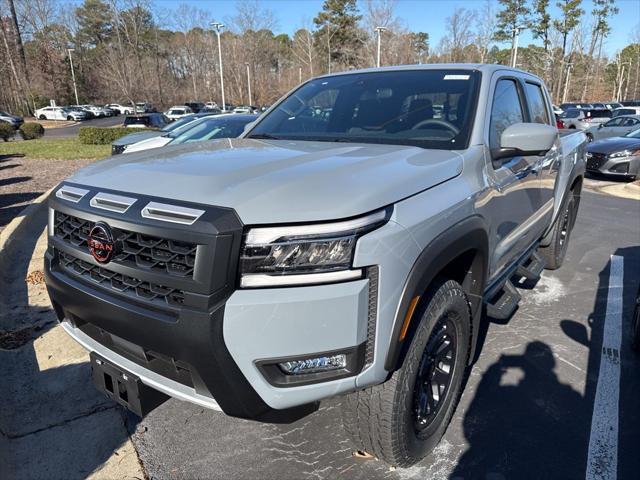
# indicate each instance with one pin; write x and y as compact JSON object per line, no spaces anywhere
{"x":515,"y":198}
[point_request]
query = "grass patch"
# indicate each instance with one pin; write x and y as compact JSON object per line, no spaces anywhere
{"x":55,"y":149}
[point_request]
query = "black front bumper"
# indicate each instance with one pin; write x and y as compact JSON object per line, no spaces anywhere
{"x":185,"y":342}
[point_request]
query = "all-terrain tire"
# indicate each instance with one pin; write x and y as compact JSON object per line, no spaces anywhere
{"x":381,"y":420}
{"x":553,"y":254}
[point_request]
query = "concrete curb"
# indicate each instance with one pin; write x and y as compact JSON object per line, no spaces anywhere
{"x":17,"y":226}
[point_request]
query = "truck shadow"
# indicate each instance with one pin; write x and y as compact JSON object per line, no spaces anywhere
{"x":523,"y":422}
{"x":53,"y":422}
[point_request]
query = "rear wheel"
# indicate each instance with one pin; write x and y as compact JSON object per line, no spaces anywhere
{"x":553,"y":254}
{"x":42,"y":117}
{"x":69,"y":118}
{"x":402,"y":420}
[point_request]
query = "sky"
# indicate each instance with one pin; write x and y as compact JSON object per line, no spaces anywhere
{"x":419,"y":15}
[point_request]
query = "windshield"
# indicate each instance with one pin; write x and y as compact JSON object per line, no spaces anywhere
{"x":137,"y":121}
{"x":423,"y":108}
{"x":179,"y":123}
{"x":209,"y":129}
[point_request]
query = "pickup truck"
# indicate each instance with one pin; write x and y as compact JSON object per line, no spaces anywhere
{"x":348,"y":243}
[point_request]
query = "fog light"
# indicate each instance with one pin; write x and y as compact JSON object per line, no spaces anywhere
{"x":314,"y":365}
{"x":621,"y":168}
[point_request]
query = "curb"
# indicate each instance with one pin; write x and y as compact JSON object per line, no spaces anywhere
{"x":629,"y":190}
{"x":17,"y":226}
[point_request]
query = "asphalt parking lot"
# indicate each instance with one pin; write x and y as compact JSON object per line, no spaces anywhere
{"x":70,"y":131}
{"x":527,"y":410}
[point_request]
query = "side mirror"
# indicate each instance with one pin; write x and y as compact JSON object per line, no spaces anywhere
{"x":600,"y":125}
{"x":524,"y":139}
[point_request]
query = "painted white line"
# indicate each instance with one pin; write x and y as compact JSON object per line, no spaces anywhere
{"x":602,"y":463}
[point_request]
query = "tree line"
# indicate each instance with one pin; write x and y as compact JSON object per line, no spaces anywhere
{"x":134,"y":50}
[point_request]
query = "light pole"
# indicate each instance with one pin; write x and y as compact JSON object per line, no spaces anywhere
{"x":566,"y":82}
{"x":379,"y":30}
{"x":248,"y":82}
{"x":299,"y":74}
{"x":217,"y":27}
{"x":73,"y":75}
{"x":514,"y":44}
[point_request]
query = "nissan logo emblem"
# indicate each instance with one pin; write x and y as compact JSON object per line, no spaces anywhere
{"x":101,"y":243}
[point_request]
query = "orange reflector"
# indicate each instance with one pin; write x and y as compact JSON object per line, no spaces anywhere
{"x":407,"y":318}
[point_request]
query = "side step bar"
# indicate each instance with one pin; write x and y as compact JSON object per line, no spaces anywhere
{"x":504,"y":303}
{"x":532,"y":268}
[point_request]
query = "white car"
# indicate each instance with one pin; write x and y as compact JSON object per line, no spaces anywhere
{"x":121,"y":109}
{"x":206,"y":128}
{"x":625,"y":111}
{"x":97,"y":111}
{"x":178,"y":111}
{"x":59,"y":113}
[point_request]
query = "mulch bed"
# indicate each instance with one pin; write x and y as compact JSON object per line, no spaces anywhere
{"x":22,"y":180}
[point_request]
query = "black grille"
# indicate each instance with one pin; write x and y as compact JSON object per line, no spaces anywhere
{"x":595,"y":160}
{"x":134,"y":249}
{"x":130,"y":286}
{"x":372,"y":275}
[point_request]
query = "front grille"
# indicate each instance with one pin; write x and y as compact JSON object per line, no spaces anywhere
{"x":133,"y":249}
{"x":130,"y":286}
{"x":595,"y":160}
{"x":372,"y":275}
{"x":117,"y":149}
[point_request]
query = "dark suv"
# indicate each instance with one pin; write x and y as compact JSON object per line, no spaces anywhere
{"x":146,"y":120}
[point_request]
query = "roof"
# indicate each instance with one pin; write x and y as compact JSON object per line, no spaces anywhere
{"x":481,"y":67}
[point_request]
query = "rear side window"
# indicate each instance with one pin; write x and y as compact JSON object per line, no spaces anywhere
{"x":537,"y":103}
{"x":505,"y":111}
{"x":599,"y":113}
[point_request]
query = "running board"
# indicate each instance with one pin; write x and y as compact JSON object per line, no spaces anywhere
{"x":532,"y":268}
{"x":504,"y":303}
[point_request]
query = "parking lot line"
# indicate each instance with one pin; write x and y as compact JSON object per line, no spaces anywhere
{"x":602,"y":461}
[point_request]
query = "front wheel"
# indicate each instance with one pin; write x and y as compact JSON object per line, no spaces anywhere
{"x":589,"y":137}
{"x":42,"y":117}
{"x":402,"y":420}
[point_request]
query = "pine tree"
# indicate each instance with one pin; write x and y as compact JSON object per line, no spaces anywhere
{"x":338,"y":35}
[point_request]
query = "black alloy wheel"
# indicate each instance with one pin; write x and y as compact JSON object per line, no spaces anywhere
{"x":434,"y":374}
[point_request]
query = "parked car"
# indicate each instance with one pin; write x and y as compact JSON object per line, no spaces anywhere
{"x":556,"y":110}
{"x":60,"y":113}
{"x":146,"y":120}
{"x":625,"y":111}
{"x":79,"y":108}
{"x":14,"y":120}
{"x":212,"y":110}
{"x":212,"y":105}
{"x":208,"y":128}
{"x":97,"y":111}
{"x":613,"y":105}
{"x":631,"y":103}
{"x":568,"y":106}
{"x":195,"y":106}
{"x":118,"y":146}
{"x":616,"y":156}
{"x":121,"y":109}
{"x":350,"y":254}
{"x":581,"y":119}
{"x":144,"y":107}
{"x":177,"y":112}
{"x":616,"y":127}
{"x":246,"y":109}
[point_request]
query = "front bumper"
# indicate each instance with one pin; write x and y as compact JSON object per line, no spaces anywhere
{"x":619,"y":166}
{"x":211,"y":349}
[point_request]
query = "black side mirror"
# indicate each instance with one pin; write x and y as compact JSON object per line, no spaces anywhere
{"x":600,"y":126}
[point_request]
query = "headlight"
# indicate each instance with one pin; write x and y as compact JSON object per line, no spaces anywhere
{"x":304,"y":254}
{"x":625,"y":153}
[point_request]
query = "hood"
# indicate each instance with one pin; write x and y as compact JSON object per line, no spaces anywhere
{"x":137,"y":137}
{"x":277,"y":181}
{"x":13,"y":118}
{"x":613,"y":144}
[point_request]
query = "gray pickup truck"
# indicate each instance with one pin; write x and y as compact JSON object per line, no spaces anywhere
{"x":349,"y":243}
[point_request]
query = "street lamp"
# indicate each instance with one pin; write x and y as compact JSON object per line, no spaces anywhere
{"x":73,"y":75}
{"x":566,"y":82}
{"x":514,"y":44}
{"x":217,"y":27}
{"x":379,"y":30}
{"x":248,"y":82}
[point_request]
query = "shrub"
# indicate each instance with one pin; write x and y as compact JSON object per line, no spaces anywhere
{"x":6,"y":131}
{"x":103,"y":135}
{"x":31,"y":131}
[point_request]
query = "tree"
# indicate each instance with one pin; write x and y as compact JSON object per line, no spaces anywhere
{"x":511,"y":19}
{"x":420,"y":45}
{"x":541,"y":22}
{"x":486,"y":25}
{"x":304,"y":49}
{"x":459,"y":34}
{"x":94,"y":23}
{"x":338,"y":23}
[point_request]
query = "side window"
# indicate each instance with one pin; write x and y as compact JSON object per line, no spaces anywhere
{"x":630,"y":122}
{"x":614,"y":123}
{"x":505,"y":111}
{"x":537,"y":103}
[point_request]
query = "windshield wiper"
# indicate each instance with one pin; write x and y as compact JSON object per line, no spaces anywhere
{"x":264,"y":136}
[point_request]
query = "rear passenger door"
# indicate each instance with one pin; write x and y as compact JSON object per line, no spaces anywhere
{"x":516,"y":199}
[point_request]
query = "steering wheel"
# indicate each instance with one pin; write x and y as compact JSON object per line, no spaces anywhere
{"x":437,"y":121}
